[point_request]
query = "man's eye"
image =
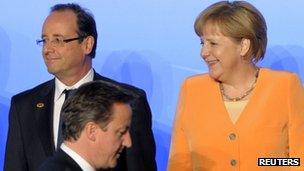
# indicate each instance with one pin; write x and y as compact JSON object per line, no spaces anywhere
{"x":57,"y":40}
{"x":121,"y":133}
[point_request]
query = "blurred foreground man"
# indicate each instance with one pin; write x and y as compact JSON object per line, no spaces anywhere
{"x":96,"y":122}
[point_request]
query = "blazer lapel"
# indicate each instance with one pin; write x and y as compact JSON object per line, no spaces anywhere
{"x":99,"y":77}
{"x":67,"y":161}
{"x":44,"y":115}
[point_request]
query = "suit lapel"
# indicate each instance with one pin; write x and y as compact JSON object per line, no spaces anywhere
{"x":67,"y":161}
{"x":44,"y":115}
{"x":98,"y":77}
{"x":44,"y":107}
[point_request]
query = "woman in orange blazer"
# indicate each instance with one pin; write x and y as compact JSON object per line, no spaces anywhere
{"x":237,"y":113}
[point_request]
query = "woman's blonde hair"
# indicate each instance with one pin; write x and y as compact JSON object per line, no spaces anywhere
{"x":238,"y":20}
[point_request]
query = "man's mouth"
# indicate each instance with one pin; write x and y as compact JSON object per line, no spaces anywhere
{"x":118,"y":153}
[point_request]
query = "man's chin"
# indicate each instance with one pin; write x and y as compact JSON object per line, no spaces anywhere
{"x":51,"y":70}
{"x":109,"y":166}
{"x":54,"y":71}
{"x":113,"y":163}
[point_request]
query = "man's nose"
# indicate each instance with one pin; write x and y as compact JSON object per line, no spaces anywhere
{"x":48,"y":47}
{"x":127,"y":142}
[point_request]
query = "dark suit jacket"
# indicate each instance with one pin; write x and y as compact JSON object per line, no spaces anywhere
{"x":60,"y":161}
{"x":30,"y":134}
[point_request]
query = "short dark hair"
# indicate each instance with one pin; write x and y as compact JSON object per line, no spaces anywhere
{"x":92,"y":102}
{"x":85,"y":22}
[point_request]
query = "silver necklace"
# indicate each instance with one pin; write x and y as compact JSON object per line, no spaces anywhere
{"x":234,"y":99}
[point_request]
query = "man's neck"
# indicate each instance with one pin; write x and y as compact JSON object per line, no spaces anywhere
{"x":71,"y":79}
{"x":72,"y":76}
{"x":75,"y":150}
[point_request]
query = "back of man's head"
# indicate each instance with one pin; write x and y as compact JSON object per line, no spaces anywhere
{"x":92,"y":102}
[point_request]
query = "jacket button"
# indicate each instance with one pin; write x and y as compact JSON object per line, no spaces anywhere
{"x":232,"y":136}
{"x":233,"y":162}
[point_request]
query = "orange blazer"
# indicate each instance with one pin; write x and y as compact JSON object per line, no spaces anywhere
{"x":271,"y":125}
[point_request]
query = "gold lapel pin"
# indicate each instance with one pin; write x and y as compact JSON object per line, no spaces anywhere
{"x":40,"y":105}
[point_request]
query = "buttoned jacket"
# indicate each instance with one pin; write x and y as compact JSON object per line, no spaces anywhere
{"x":270,"y":125}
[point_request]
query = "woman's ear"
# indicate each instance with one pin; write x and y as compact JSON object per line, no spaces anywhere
{"x":245,"y":47}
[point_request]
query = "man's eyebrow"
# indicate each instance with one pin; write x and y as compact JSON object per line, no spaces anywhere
{"x":54,"y":35}
{"x":124,"y":129}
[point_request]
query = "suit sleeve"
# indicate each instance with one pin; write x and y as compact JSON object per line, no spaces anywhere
{"x":179,"y":157}
{"x":296,"y":121}
{"x":14,"y":153}
{"x":141,"y":156}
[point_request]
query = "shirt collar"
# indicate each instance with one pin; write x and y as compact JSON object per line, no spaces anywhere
{"x":60,"y":86}
{"x":77,"y":158}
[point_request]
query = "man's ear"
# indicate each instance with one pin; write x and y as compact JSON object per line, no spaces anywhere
{"x":245,"y":47}
{"x":88,"y":44}
{"x":91,"y":130}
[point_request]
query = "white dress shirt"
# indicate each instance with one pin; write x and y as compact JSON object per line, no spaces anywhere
{"x":85,"y":166}
{"x":60,"y":96}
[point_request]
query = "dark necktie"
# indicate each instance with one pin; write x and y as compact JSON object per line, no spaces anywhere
{"x":60,"y":138}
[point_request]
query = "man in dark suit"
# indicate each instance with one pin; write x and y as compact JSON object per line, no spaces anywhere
{"x":68,"y":41}
{"x":96,"y":121}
